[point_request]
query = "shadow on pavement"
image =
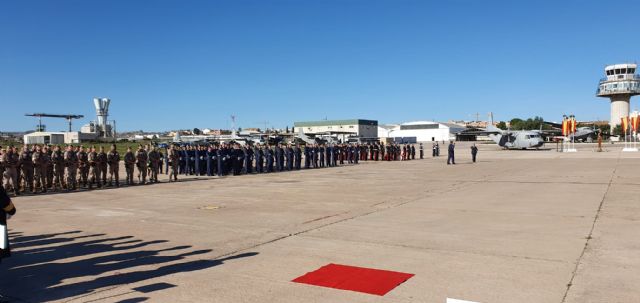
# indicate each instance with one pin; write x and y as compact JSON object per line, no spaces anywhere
{"x":56,"y":266}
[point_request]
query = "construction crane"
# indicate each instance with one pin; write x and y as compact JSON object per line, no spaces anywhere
{"x":68,"y":117}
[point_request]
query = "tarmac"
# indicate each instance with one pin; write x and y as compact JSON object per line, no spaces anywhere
{"x":517,"y":226}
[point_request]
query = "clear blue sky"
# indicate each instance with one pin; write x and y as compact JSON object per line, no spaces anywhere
{"x":184,"y":64}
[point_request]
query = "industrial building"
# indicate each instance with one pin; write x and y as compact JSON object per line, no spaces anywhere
{"x":420,"y":131}
{"x":99,"y":130}
{"x":353,"y":127}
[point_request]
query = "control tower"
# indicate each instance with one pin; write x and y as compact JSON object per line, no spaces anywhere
{"x":620,"y":84}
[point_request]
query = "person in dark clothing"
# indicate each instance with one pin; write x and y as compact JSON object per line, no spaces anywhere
{"x":474,"y":152}
{"x":259,"y":154}
{"x":421,"y":151}
{"x":298,"y":156}
{"x":413,"y":152}
{"x":219,"y":162}
{"x":6,"y":211}
{"x":451,"y":159}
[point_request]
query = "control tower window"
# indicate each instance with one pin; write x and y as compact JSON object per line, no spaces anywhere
{"x":632,"y":70}
{"x":617,"y":71}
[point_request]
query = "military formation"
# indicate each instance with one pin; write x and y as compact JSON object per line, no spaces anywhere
{"x":42,"y":168}
{"x":237,"y":159}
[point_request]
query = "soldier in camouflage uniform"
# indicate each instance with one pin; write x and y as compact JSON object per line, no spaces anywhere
{"x":113,"y":158}
{"x":154,"y":161}
{"x":174,"y":161}
{"x":49,"y":152}
{"x":129,"y":164}
{"x":102,"y":162}
{"x":27,"y":168}
{"x":39,"y":159}
{"x":10,"y":161}
{"x":94,"y":168}
{"x":71,"y":162}
{"x":57,"y":158}
{"x":142,"y":157}
{"x":83,"y":166}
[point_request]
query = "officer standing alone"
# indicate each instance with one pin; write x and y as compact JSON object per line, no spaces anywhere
{"x":451,"y":159}
{"x":474,"y":152}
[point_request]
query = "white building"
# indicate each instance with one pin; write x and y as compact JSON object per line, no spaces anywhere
{"x":420,"y":131}
{"x":57,"y":137}
{"x":353,"y":127}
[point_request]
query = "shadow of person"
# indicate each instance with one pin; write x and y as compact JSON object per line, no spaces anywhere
{"x":41,"y":269}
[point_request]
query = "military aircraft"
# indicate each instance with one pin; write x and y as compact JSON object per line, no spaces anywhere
{"x":522,"y":139}
{"x":320,"y":139}
{"x":583,"y":133}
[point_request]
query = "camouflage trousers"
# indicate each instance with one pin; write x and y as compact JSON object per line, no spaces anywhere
{"x":142,"y":173}
{"x":49,"y":175}
{"x":11,"y":177}
{"x":94,"y":175}
{"x":103,"y":173}
{"x":129,"y":170}
{"x":27,"y":176}
{"x":154,"y":173}
{"x":114,"y":174}
{"x":72,"y":172}
{"x":84,"y":174}
{"x":58,"y":175}
{"x":40,"y":174}
{"x":174,"y":171}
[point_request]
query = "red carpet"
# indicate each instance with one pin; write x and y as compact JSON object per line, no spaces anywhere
{"x":366,"y":280}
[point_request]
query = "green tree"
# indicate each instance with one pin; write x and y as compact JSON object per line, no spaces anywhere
{"x":617,"y":131}
{"x":529,"y":124}
{"x":502,"y":125}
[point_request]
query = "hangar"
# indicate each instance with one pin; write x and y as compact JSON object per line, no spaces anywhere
{"x":420,"y":131}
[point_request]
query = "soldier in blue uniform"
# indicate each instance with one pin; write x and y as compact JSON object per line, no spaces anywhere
{"x":268,"y":154}
{"x":257,"y":151}
{"x":248,"y":160}
{"x":237,"y":159}
{"x":290,"y":157}
{"x":196,"y":162}
{"x":314,"y":156}
{"x":183,"y":160}
{"x":227,"y":158}
{"x":356,"y":151}
{"x":307,"y":156}
{"x":474,"y":152}
{"x":451,"y":159}
{"x":208,"y":157}
{"x":192,"y":160}
{"x":220,"y":156}
{"x":278,"y":152}
{"x":321,"y":151}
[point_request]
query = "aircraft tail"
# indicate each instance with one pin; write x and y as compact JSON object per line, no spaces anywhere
{"x":491,"y":128}
{"x":498,"y":136}
{"x":304,"y":137}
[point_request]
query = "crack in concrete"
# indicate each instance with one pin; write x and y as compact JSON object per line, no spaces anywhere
{"x":588,"y":239}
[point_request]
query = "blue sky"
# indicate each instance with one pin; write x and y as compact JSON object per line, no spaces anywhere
{"x":184,"y":64}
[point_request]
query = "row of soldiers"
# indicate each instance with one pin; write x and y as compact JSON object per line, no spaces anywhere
{"x":237,"y":159}
{"x":41,"y":167}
